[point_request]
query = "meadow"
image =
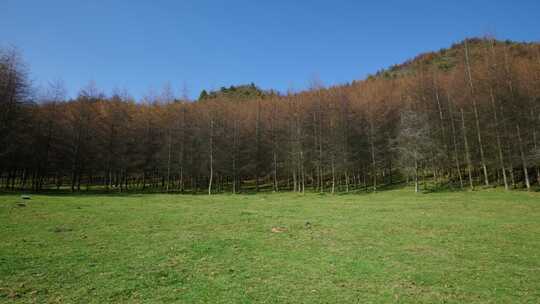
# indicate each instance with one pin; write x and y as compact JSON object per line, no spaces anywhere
{"x":394,"y":246}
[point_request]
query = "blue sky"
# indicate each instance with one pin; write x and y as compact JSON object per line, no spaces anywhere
{"x":142,"y":45}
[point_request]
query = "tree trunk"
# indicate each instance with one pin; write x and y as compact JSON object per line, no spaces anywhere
{"x":496,"y":118}
{"x":454,"y":141}
{"x":333,"y":176}
{"x":441,"y":117}
{"x":523,"y":159}
{"x":234,"y":155}
{"x":416,"y":188}
{"x":498,"y":137}
{"x":211,"y":156}
{"x":320,"y":169}
{"x":276,"y":189}
{"x":258,"y":143}
{"x":373,"y":162}
{"x":346,"y":181}
{"x":169,"y":162}
{"x":467,"y":153}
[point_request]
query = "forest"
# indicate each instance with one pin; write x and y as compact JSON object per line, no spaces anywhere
{"x":465,"y":117}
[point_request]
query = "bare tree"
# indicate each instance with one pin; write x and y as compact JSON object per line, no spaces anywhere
{"x":476,"y":115}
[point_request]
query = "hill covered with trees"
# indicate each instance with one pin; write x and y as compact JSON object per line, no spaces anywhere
{"x":448,"y":58}
{"x":241,"y":92}
{"x":464,"y":117}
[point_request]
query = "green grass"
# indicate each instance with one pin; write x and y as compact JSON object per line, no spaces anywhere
{"x":394,"y":246}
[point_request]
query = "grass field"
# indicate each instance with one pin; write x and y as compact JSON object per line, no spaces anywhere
{"x":394,"y":246}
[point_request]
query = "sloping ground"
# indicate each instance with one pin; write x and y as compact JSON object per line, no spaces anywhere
{"x":447,"y":58}
{"x":278,"y":248}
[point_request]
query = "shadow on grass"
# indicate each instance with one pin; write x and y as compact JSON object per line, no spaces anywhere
{"x":425,"y":188}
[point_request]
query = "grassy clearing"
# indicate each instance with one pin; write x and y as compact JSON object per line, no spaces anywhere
{"x":393,"y":246}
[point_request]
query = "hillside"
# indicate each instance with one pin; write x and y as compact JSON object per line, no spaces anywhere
{"x":471,"y":125}
{"x":446,"y":59}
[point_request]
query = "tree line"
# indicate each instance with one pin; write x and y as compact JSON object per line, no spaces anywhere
{"x":464,"y":117}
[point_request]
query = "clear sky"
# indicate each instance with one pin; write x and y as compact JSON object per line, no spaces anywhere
{"x":142,"y":45}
